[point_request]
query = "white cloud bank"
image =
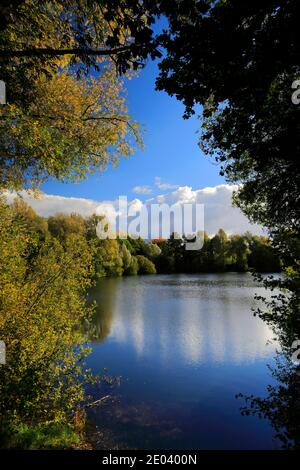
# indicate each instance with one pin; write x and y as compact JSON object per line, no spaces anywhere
{"x":218,"y":209}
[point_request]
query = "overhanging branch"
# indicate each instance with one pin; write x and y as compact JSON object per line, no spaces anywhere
{"x":38,"y":52}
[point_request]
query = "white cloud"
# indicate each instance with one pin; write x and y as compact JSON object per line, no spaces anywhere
{"x":48,"y":204}
{"x":109,"y":209}
{"x":158,"y":183}
{"x":135,"y":205}
{"x":142,"y":190}
{"x":218,"y":209}
{"x":164,"y":186}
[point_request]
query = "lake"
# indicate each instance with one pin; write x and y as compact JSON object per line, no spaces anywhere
{"x":183,"y":346}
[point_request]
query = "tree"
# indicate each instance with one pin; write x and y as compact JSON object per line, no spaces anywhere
{"x":65,"y":114}
{"x":145,"y":266}
{"x":133,"y":268}
{"x":126,"y":257}
{"x":108,"y":259}
{"x":42,"y":308}
{"x":218,"y":248}
{"x":38,"y":36}
{"x":239,"y":251}
{"x":263,"y":257}
{"x":69,"y":128}
{"x":152,"y":251}
{"x":34,"y":223}
{"x":61,"y":226}
{"x":202,"y":261}
{"x":91,"y":223}
{"x":238,"y":60}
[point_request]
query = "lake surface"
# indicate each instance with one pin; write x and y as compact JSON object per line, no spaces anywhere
{"x":184,"y":346}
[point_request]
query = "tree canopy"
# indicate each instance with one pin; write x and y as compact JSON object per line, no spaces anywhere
{"x":66,"y":113}
{"x":37,"y":36}
{"x":238,"y":60}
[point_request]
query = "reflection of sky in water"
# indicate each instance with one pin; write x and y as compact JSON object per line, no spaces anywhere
{"x":190,"y":321}
{"x":184,"y":345}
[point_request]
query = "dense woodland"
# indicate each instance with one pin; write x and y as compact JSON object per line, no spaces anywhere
{"x":134,"y":255}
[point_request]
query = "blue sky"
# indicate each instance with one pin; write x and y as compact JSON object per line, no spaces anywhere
{"x":171,"y":150}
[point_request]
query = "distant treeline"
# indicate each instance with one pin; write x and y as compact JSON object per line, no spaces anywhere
{"x":132,"y":256}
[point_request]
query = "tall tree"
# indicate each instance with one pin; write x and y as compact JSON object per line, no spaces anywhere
{"x":66,"y":111}
{"x":70,"y":127}
{"x":239,"y":61}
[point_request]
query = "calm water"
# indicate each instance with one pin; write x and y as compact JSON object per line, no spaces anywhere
{"x":184,"y":346}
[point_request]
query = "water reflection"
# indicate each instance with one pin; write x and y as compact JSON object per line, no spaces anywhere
{"x":199,"y":319}
{"x":102,"y":320}
{"x":185,"y":346}
{"x":281,"y":406}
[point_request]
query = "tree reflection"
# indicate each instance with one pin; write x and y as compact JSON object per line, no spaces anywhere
{"x":281,"y":406}
{"x":103,"y":297}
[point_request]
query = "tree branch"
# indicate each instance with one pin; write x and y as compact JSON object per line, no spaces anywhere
{"x":58,"y":52}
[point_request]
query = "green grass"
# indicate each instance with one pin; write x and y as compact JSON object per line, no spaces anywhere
{"x":43,"y":436}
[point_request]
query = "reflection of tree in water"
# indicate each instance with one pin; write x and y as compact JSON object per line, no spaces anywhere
{"x":103,"y":296}
{"x":282,"y":404}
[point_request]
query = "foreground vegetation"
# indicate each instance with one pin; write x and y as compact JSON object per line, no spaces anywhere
{"x":42,"y":308}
